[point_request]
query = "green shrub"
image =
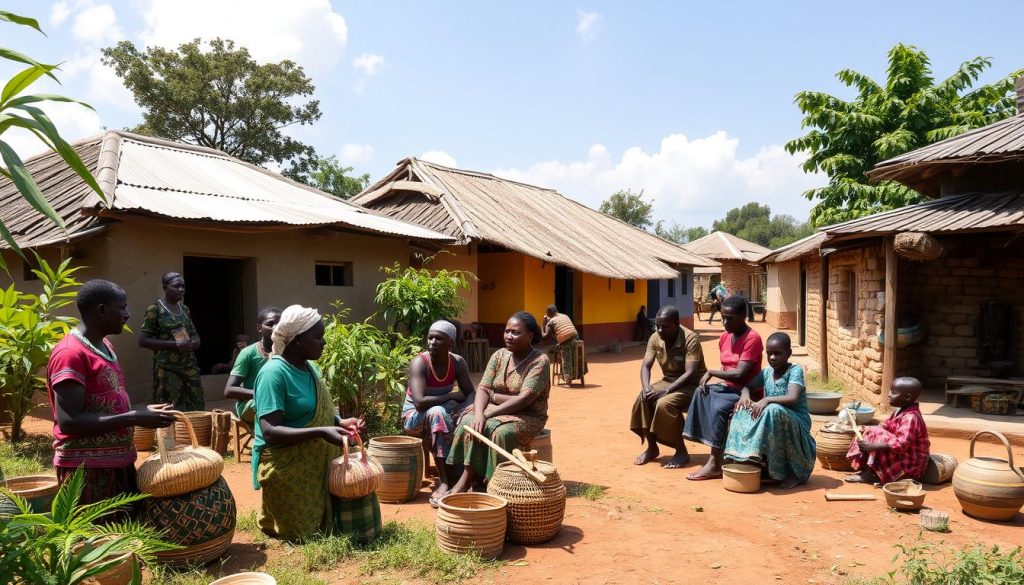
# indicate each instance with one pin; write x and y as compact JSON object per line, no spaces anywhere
{"x":924,"y":564}
{"x":413,"y":298}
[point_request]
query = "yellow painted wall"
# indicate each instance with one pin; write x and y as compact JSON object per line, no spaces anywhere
{"x":611,"y":304}
{"x":502,"y":282}
{"x":539,"y":283}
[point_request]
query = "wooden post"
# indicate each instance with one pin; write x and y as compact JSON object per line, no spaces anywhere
{"x":889,"y":351}
{"x":823,"y":320}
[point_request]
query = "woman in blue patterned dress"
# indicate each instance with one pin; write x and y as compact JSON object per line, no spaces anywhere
{"x":775,"y":432}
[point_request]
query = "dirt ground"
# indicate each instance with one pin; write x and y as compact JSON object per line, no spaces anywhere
{"x":646,"y":529}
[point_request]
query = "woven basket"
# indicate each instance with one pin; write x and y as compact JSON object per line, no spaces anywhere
{"x":917,"y":246}
{"x":37,"y":490}
{"x":220,"y":433}
{"x":202,"y":426}
{"x":472,"y":522}
{"x":119,"y":574}
{"x":832,"y":447}
{"x":999,"y":404}
{"x":402,"y":460}
{"x":144,"y":438}
{"x":172,"y":472}
{"x":535,"y":511}
{"x":202,"y":521}
{"x":355,"y":477}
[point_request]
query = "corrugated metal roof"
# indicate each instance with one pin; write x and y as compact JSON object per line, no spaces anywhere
{"x":181,"y":181}
{"x":725,"y":246}
{"x":960,"y":213}
{"x":999,"y":141}
{"x":797,"y":249}
{"x":538,"y":222}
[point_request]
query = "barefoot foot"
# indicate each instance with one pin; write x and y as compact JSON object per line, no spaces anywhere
{"x":709,"y":471}
{"x":647,"y":456}
{"x":866,"y":476}
{"x":678,"y":460}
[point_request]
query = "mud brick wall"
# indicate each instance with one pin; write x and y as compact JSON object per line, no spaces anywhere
{"x":813,"y":309}
{"x":736,"y":276}
{"x":947,"y":294}
{"x":782,"y":319}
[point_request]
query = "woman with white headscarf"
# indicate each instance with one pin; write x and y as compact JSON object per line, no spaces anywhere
{"x":297,"y":432}
{"x":432,"y":404}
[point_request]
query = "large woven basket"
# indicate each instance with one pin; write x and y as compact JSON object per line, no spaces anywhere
{"x":202,"y":426}
{"x":352,"y":477}
{"x":172,"y":472}
{"x":535,"y":510}
{"x":143,"y":438}
{"x":402,"y":460}
{"x":472,"y":522}
{"x":202,"y":521}
{"x":832,"y":447}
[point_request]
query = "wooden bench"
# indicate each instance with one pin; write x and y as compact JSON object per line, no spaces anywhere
{"x":955,"y":383}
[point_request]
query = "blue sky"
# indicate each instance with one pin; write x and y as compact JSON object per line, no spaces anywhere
{"x":690,"y":102}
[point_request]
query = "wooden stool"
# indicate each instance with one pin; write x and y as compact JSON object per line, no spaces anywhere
{"x":243,"y":437}
{"x":556,"y":364}
{"x":476,"y":354}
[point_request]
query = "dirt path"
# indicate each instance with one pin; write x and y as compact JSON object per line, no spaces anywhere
{"x":646,"y":530}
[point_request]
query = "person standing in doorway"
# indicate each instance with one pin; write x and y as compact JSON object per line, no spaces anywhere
{"x":168,"y":331}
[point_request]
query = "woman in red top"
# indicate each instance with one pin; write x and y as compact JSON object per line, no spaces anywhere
{"x":713,"y":404}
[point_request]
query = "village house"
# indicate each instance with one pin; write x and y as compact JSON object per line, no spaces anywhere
{"x":243,"y":237}
{"x":931,"y":290}
{"x":739,"y":270}
{"x":531,"y":247}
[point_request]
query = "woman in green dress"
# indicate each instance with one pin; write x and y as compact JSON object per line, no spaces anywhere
{"x":511,"y":403}
{"x":248,"y":364}
{"x":297,"y":436}
{"x":168,"y":331}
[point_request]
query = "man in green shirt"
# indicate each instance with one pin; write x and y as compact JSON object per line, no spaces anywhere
{"x":248,"y":363}
{"x":658,"y":412}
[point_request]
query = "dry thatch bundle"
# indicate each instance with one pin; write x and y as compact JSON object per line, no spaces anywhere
{"x":917,"y":246}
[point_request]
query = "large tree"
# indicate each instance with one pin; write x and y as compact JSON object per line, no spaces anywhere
{"x":679,"y":234}
{"x":218,"y":97}
{"x":327,"y":174}
{"x":630,"y":207}
{"x":754,"y":222}
{"x":905,"y":111}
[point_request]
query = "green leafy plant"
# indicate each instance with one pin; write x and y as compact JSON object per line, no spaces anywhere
{"x":69,"y":545}
{"x":19,"y":110}
{"x":413,"y":298}
{"x":924,"y":563}
{"x":28,"y":331}
{"x":365,"y":367}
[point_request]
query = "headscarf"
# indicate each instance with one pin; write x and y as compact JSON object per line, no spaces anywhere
{"x":295,"y":320}
{"x":446,"y":327}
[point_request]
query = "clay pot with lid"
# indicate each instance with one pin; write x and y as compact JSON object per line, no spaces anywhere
{"x":988,"y":487}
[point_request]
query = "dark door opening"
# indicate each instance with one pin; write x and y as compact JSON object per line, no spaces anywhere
{"x":653,"y":297}
{"x":564,"y":291}
{"x":214,"y":295}
{"x":801,"y":310}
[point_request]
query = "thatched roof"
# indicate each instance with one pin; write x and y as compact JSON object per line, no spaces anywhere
{"x":478,"y":207}
{"x":922,"y":169}
{"x":152,"y":177}
{"x":723,"y":246}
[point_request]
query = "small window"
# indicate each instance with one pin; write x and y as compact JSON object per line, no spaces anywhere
{"x":334,"y":274}
{"x":682,"y":285}
{"x":26,"y":270}
{"x":847,"y":300}
{"x":630,"y":286}
{"x":671,"y":288}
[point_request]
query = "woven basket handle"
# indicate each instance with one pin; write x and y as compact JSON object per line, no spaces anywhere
{"x":188,"y":425}
{"x":1009,"y":451}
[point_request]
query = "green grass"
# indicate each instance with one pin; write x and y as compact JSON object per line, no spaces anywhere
{"x":586,"y":491}
{"x":816,"y":384}
{"x":167,"y":576}
{"x":31,"y":456}
{"x":411,"y":548}
{"x":323,"y":553}
{"x":924,"y":563}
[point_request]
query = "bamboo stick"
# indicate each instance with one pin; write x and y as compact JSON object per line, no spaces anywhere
{"x":536,"y":475}
{"x":834,"y":497}
{"x":853,"y":423}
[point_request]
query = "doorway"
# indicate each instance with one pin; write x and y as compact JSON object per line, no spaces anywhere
{"x":215,"y":292}
{"x":564,"y":291}
{"x":801,"y":310}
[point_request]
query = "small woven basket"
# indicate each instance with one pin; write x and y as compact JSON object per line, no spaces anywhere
{"x":202,"y":426}
{"x":535,"y":510}
{"x":172,"y":472}
{"x":356,"y":476}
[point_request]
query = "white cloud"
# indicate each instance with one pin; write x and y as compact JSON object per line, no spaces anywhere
{"x":308,"y":32}
{"x":589,"y":24}
{"x":59,"y":13}
{"x":355,"y":154}
{"x":692,"y":182}
{"x":439,"y":157}
{"x":96,"y":24}
{"x":73,"y":121}
{"x":368,"y":63}
{"x":102,"y":85}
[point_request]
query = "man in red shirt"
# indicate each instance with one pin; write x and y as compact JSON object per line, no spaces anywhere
{"x":92,"y":416}
{"x":899,"y":447}
{"x":712,"y":406}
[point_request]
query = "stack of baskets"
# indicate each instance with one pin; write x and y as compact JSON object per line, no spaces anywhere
{"x":191,"y":502}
